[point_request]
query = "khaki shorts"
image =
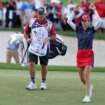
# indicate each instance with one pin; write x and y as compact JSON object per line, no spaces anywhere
{"x":12,"y":54}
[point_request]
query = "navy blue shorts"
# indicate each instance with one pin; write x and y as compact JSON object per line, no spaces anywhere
{"x":34,"y":58}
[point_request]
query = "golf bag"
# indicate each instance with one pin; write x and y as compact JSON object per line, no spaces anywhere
{"x":57,"y":47}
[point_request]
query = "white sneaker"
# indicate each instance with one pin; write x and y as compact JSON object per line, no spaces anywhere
{"x":24,"y":64}
{"x":86,"y":99}
{"x":91,"y":91}
{"x":43,"y":86}
{"x":31,"y":86}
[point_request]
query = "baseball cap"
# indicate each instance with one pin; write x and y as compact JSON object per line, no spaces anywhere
{"x":86,"y":17}
{"x":41,"y":11}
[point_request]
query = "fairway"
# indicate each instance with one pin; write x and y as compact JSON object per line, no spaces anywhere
{"x":63,"y":88}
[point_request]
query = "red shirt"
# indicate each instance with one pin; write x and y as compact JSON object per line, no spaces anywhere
{"x":59,"y":10}
{"x":100,"y":7}
{"x":1,"y":6}
{"x":85,"y":7}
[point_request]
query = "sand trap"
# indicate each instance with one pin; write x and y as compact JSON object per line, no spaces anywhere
{"x":69,"y":59}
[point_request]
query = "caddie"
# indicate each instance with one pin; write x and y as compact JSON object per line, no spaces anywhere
{"x":38,"y":33}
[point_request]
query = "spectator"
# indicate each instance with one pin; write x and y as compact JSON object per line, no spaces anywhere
{"x":39,"y":3}
{"x":85,"y":6}
{"x":53,"y":6}
{"x":100,"y":7}
{"x":19,"y":5}
{"x":66,"y":11}
{"x":1,"y":17}
{"x":26,"y":11}
{"x":13,"y":46}
{"x":49,"y":14}
{"x":11,"y":14}
{"x":56,"y":9}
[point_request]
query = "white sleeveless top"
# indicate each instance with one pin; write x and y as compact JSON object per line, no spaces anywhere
{"x":38,"y":35}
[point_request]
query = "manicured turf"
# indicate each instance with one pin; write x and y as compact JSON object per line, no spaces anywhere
{"x":64,"y":88}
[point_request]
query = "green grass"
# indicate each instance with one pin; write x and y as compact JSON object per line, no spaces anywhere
{"x":76,"y":1}
{"x":63,"y":88}
{"x":50,"y":68}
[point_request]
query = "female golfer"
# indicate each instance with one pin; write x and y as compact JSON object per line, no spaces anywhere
{"x":85,"y":55}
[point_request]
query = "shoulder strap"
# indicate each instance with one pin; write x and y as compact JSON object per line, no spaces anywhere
{"x":31,"y":22}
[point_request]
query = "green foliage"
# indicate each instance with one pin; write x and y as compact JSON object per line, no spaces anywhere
{"x":75,"y":1}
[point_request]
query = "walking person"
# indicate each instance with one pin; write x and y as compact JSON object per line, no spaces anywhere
{"x":85,"y":54}
{"x":10,"y":14}
{"x":38,"y":33}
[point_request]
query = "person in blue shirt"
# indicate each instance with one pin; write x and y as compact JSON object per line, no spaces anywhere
{"x":12,"y":52}
{"x":13,"y":45}
{"x":85,"y":54}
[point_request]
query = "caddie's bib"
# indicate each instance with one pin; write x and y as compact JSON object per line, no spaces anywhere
{"x":37,"y":45}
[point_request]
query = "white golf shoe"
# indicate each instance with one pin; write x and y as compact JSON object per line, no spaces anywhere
{"x":86,"y":99}
{"x":43,"y":86}
{"x":31,"y":86}
{"x":91,"y":91}
{"x":24,"y":64}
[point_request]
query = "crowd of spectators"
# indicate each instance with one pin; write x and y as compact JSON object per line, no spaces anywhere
{"x":16,"y":13}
